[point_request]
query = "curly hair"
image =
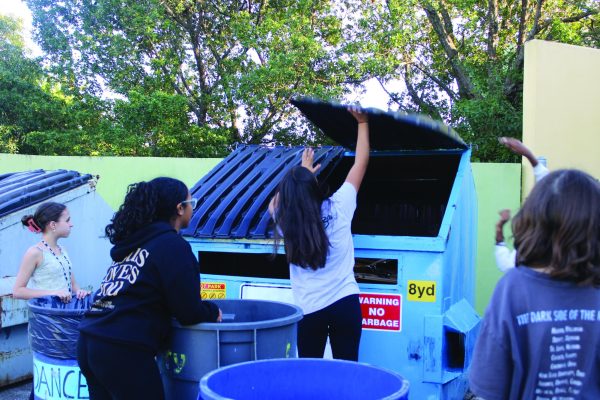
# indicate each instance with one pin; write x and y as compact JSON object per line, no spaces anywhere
{"x":45,"y":213}
{"x":298,"y":215}
{"x":145,"y":203}
{"x":559,"y":227}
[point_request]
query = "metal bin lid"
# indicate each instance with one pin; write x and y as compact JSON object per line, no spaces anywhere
{"x":22,"y":189}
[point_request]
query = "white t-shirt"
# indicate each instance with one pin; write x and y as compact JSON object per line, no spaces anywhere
{"x":315,"y":290}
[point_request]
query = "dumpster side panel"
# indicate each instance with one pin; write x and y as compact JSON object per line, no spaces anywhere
{"x":15,"y":355}
{"x":411,"y":351}
{"x":459,"y":268}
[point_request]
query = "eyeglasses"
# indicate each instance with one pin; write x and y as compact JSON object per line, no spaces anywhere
{"x":193,"y":202}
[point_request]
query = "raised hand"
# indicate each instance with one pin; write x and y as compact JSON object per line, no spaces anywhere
{"x":360,"y":116}
{"x":308,"y":156}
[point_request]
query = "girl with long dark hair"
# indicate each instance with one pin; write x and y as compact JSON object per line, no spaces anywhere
{"x":154,"y":276}
{"x":319,"y":248}
{"x":540,"y":336}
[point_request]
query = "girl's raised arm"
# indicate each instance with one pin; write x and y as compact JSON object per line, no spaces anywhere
{"x":361,"y":158}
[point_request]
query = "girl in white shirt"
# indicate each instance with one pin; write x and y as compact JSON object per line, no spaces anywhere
{"x":319,"y":248}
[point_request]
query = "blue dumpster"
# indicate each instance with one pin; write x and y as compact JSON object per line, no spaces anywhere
{"x":302,"y":378}
{"x":251,"y":330}
{"x":414,"y":232}
{"x":53,"y":337}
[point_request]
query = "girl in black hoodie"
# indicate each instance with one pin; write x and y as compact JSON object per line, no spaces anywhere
{"x":154,"y":276}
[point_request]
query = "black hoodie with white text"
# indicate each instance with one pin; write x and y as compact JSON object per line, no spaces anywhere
{"x":154,"y":277}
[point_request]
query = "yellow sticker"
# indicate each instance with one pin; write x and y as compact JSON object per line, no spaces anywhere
{"x":212,"y":290}
{"x":421,"y":291}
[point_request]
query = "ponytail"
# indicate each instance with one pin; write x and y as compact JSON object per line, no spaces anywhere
{"x":44,"y":214}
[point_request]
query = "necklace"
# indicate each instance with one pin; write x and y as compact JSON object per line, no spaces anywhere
{"x":67,"y":262}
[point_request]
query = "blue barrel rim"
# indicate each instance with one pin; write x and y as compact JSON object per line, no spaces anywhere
{"x":33,"y":307}
{"x":203,"y":386}
{"x":294,"y":317}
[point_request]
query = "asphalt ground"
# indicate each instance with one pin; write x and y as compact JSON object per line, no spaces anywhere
{"x":17,"y":391}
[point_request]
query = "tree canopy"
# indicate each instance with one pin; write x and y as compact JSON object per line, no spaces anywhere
{"x":193,"y":77}
{"x":462,"y":61}
{"x":235,"y":63}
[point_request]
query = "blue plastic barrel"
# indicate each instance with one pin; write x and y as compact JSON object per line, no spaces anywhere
{"x":251,"y":330}
{"x":302,"y":378}
{"x":53,"y":338}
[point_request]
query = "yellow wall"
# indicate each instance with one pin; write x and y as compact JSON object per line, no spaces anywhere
{"x":561,"y":107}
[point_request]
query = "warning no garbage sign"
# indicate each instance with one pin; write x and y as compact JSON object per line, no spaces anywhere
{"x":381,"y":311}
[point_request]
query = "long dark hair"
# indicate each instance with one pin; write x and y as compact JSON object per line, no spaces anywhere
{"x":559,"y":227}
{"x":298,"y":215}
{"x":145,"y":203}
{"x":44,"y":214}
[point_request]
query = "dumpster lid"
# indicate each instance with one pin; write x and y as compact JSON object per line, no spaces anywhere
{"x":387,"y":130}
{"x":19,"y":190}
{"x":234,"y":196}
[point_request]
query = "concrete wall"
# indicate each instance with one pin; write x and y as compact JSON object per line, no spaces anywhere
{"x":561,"y":106}
{"x":497,"y":187}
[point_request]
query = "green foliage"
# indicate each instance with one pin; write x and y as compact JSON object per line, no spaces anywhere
{"x":236,"y":64}
{"x":28,"y":102}
{"x":462,"y":60}
{"x":158,"y":125}
{"x":192,"y":78}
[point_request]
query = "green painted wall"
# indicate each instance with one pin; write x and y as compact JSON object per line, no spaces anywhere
{"x":498,"y":186}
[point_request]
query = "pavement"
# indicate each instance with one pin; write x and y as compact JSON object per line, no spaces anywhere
{"x":17,"y":391}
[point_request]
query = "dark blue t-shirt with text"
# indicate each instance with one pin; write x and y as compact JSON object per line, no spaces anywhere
{"x":539,"y":339}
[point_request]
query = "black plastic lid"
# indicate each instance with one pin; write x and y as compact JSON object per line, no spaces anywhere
{"x":387,"y":130}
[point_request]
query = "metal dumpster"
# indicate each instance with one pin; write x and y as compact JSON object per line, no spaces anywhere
{"x":414,"y":233}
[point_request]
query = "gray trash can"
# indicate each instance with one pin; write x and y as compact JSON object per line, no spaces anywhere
{"x":303,"y":378}
{"x":53,"y":338}
{"x":251,"y":330}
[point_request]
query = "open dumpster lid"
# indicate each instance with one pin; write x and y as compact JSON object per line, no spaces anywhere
{"x":21,"y":189}
{"x":387,"y":130}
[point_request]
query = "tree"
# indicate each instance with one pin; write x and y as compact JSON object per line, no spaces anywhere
{"x":45,"y":113}
{"x":237,"y":63}
{"x":28,"y":100}
{"x":462,"y":60}
{"x":230,"y":67}
{"x":158,"y":125}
